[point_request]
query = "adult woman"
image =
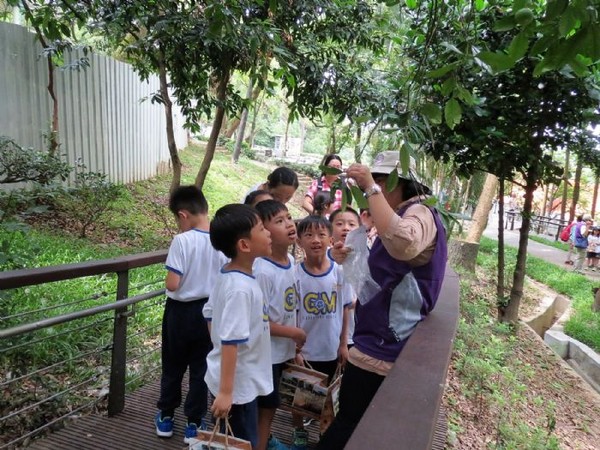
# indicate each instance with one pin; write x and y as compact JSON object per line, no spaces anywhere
{"x":407,"y":260}
{"x":281,"y":184}
{"x":323,"y":184}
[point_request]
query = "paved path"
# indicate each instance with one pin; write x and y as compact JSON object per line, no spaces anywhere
{"x":545,"y":252}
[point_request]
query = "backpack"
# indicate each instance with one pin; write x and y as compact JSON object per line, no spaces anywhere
{"x":565,"y":234}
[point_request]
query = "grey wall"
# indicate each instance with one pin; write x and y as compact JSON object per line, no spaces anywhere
{"x":102,"y":119}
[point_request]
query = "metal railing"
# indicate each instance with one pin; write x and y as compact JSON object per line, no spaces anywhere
{"x":49,"y":377}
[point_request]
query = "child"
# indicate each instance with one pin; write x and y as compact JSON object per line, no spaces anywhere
{"x":322,"y":204}
{"x":255,"y":197}
{"x":192,"y":267}
{"x":275,"y":274}
{"x":367,"y":221}
{"x":323,"y":309}
{"x":593,"y":247}
{"x":239,"y":365}
{"x":343,"y":222}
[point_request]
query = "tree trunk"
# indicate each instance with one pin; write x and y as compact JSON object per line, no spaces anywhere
{"x":595,"y":198}
{"x":596,"y":304}
{"x":357,"y":147}
{"x":563,"y":206}
{"x":214,"y":133}
{"x":500,"y":288}
{"x":484,"y":206}
{"x":252,"y":95}
{"x":168,"y":105}
{"x":285,"y":137}
{"x":242,"y":128}
{"x":255,"y":111}
{"x":302,"y":126}
{"x":576,"y":188}
{"x":509,"y":313}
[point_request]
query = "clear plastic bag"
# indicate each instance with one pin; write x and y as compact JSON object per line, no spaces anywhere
{"x":405,"y":307}
{"x":356,"y":266}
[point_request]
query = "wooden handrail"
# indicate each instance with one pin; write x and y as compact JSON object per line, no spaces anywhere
{"x":404,"y":412}
{"x":28,"y":277}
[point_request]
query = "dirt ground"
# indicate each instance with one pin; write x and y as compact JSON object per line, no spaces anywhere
{"x":553,"y":386}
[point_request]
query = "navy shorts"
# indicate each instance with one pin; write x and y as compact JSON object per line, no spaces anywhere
{"x":272,"y":400}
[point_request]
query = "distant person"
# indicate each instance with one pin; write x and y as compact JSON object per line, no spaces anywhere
{"x":192,"y":267}
{"x":323,"y":184}
{"x":276,"y":276}
{"x":568,"y":235}
{"x":239,"y":365}
{"x":322,"y":204}
{"x":366,"y":221}
{"x":580,"y":241}
{"x":255,"y":197}
{"x":593,"y":248}
{"x":282,"y":183}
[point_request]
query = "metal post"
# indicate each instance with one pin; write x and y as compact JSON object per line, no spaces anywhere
{"x":118,"y":368}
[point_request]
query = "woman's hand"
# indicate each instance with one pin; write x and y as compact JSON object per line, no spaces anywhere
{"x":361,"y":174}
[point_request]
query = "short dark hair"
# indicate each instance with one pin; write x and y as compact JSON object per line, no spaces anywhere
{"x":230,"y":224}
{"x":252,"y":196}
{"x":333,"y":215}
{"x":321,"y":202}
{"x":189,"y":198}
{"x":313,"y":222}
{"x":267,"y":209}
{"x":282,"y":175}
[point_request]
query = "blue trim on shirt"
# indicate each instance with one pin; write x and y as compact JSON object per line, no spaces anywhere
{"x":173,"y":269}
{"x":234,"y":342}
{"x":276,"y":264}
{"x":328,"y":253}
{"x":235,"y":270}
{"x":208,"y":319}
{"x":320,"y":275}
{"x":200,"y":231}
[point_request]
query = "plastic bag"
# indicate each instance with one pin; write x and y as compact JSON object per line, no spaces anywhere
{"x":356,"y":266}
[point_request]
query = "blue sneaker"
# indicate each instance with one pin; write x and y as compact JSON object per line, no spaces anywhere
{"x":300,"y":439}
{"x":275,"y":444}
{"x":164,"y":426}
{"x":191,"y":432}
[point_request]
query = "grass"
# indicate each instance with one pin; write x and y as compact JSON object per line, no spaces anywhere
{"x":583,"y":324}
{"x":550,"y":242}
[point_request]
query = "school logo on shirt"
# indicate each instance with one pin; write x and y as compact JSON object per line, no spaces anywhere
{"x":265,"y":312}
{"x":289,"y":302}
{"x":320,"y":303}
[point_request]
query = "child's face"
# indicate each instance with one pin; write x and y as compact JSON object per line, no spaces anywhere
{"x":366,"y":219}
{"x":282,"y":228}
{"x":282,"y":193}
{"x":315,"y":241}
{"x":343,"y":224}
{"x":260,"y":240}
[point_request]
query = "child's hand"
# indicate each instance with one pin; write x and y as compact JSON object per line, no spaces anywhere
{"x":299,"y":359}
{"x":221,"y":405}
{"x":343,"y":354}
{"x":299,"y":337}
{"x":339,"y":252}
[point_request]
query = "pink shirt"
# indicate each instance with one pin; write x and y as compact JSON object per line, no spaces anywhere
{"x":314,"y":188}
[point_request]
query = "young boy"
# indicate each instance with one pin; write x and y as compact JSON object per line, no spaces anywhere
{"x":343,"y":222}
{"x":192,"y":267}
{"x":239,"y":365}
{"x":323,"y":309}
{"x":276,"y":276}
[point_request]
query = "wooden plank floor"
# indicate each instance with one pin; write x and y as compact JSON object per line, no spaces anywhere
{"x":134,"y":428}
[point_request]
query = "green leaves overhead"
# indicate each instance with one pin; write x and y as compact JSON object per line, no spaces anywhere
{"x":452,"y":113}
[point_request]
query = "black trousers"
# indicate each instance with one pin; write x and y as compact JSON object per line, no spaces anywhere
{"x":185,"y":343}
{"x":356,"y":392}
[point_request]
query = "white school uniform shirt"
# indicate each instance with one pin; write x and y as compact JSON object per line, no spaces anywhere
{"x":194,"y":259}
{"x":278,"y":285}
{"x":349,"y":291}
{"x":322,"y":299}
{"x":239,"y":317}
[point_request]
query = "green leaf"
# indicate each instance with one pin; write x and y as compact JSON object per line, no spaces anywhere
{"x":541,"y":45}
{"x":567,"y":22}
{"x":452,"y":113}
{"x":465,"y":95}
{"x":518,"y":47}
{"x":392,"y":181}
{"x":555,"y":8}
{"x":437,"y":73}
{"x":430,"y":201}
{"x":405,"y":152}
{"x":411,"y":4}
{"x":497,"y":61}
{"x":329,"y":170}
{"x":480,"y":5}
{"x":448,"y":86}
{"x":505,"y":24}
{"x":361,"y":201}
{"x":433,"y":112}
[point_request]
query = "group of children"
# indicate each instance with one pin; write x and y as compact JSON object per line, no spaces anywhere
{"x":239,"y":308}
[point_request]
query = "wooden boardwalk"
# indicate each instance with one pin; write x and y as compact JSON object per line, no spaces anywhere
{"x":133,"y":429}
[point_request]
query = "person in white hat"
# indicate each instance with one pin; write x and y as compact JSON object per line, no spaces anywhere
{"x":408,"y":261}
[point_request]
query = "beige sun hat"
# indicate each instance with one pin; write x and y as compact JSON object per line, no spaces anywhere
{"x":388,"y":161}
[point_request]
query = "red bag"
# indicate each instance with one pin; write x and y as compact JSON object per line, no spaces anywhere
{"x":565,"y":234}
